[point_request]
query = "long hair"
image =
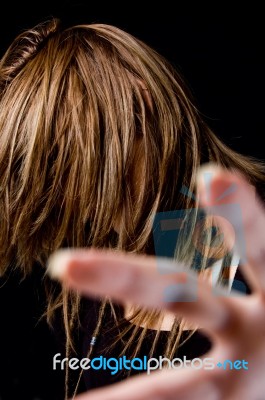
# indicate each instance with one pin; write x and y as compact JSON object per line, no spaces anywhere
{"x":75,"y":123}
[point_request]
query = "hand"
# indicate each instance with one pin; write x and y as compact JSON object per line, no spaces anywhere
{"x":235,"y":323}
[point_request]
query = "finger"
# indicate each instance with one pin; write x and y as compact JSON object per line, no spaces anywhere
{"x":163,"y":385}
{"x":136,"y":279}
{"x":240,"y":214}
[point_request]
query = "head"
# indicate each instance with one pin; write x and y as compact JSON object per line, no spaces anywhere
{"x":95,"y":128}
{"x":97,"y":133}
{"x":79,"y":134}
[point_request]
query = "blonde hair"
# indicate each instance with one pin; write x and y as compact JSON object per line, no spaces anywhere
{"x":71,"y":111}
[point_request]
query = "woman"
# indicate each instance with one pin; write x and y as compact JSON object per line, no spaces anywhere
{"x":99,"y":136}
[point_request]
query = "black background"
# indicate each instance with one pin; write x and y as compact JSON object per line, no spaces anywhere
{"x":219,"y":51}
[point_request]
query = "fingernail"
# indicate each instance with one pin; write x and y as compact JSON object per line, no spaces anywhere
{"x":205,"y":175}
{"x":57,"y":263}
{"x":181,"y":292}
